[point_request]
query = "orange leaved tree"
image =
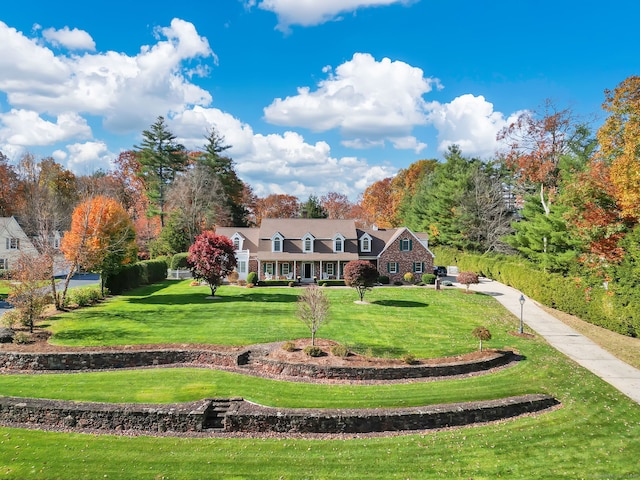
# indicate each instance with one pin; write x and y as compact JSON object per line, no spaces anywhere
{"x":101,"y":238}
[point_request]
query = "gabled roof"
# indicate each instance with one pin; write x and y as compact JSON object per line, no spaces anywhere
{"x":320,"y":228}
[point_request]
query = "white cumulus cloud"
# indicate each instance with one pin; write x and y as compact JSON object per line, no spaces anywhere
{"x":470,"y":122}
{"x":313,"y":12}
{"x":73,"y":39}
{"x":26,"y":128}
{"x":368,"y":100}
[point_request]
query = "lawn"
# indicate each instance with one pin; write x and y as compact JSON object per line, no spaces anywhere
{"x":596,"y":433}
{"x":419,"y":321}
{"x":4,"y":288}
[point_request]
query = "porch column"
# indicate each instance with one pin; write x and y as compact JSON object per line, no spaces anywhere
{"x":295,"y":270}
{"x":259,"y":272}
{"x":276,"y":274}
{"x":320,"y":276}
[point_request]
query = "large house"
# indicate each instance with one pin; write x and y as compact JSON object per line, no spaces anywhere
{"x":320,"y":248}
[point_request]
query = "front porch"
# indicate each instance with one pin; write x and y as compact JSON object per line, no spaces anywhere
{"x":301,"y":270}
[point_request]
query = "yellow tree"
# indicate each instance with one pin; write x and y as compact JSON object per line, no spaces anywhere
{"x":378,"y":205}
{"x":101,"y":238}
{"x":619,"y":138}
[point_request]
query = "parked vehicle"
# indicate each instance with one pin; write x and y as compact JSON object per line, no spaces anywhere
{"x":440,"y":271}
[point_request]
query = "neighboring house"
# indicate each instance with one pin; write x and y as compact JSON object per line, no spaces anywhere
{"x":14,"y":243}
{"x":320,"y":248}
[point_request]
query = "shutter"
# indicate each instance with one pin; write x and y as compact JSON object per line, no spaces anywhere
{"x":410,"y":244}
{"x":388,"y":267}
{"x":7,"y":243}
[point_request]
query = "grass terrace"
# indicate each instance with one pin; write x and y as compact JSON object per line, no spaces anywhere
{"x":596,"y":433}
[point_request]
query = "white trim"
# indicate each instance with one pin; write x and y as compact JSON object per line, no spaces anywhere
{"x":338,"y":237}
{"x":277,"y":237}
{"x":368,"y":238}
{"x":308,"y":238}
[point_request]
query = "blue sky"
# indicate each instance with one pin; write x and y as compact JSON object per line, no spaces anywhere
{"x":313,"y":96}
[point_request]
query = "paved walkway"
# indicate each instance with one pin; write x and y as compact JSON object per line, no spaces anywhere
{"x":565,"y":339}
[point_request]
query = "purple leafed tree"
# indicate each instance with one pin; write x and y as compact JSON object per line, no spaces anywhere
{"x":211,"y":258}
{"x":361,"y":275}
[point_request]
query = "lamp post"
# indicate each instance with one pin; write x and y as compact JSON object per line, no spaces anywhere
{"x":521,"y":312}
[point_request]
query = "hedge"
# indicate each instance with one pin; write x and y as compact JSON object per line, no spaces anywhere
{"x":331,"y":283}
{"x":179,"y":261}
{"x":132,"y":276}
{"x":568,"y":294}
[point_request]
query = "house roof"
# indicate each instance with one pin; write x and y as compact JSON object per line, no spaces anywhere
{"x":320,"y":228}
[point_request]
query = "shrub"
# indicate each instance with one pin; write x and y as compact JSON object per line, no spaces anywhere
{"x":339,"y":351}
{"x":289,"y":346}
{"x":397,"y":283}
{"x":250,"y":285}
{"x":179,"y":261}
{"x":409,"y":359}
{"x":194,"y":283}
{"x":252,"y":277}
{"x":292,"y":284}
{"x":331,"y":283}
{"x":428,"y":278}
{"x":156,"y":270}
{"x":383,"y":279}
{"x":242,"y":283}
{"x":10,"y":318}
{"x":22,"y":338}
{"x":85,"y":296}
{"x":313,"y":351}
{"x":408,"y":277}
{"x":233,"y":277}
{"x":165,"y":259}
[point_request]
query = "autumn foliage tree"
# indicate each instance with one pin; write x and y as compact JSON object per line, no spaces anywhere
{"x":101,"y":238}
{"x":277,"y":205}
{"x":378,"y":204}
{"x":336,"y":205}
{"x":619,"y":138}
{"x":361,"y":275}
{"x":468,"y":278}
{"x":212,"y":258}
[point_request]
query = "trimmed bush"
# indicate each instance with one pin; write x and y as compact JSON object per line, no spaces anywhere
{"x":179,"y":261}
{"x":252,"y":277}
{"x":339,"y":351}
{"x":429,"y":278}
{"x":409,"y":359}
{"x":383,"y":279}
{"x":289,"y":346}
{"x":313,"y":351}
{"x":132,"y":276}
{"x":408,"y":277}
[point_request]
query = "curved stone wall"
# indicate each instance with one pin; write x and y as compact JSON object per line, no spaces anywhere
{"x":237,"y":415}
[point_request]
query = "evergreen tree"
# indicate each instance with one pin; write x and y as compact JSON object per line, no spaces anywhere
{"x":223,"y":168}
{"x":161,"y":157}
{"x":312,"y":208}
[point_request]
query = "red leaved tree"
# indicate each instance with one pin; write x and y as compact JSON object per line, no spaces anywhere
{"x":212,"y":258}
{"x":361,"y":275}
{"x":467,"y":278}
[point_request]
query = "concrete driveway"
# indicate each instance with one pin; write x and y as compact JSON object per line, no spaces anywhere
{"x":565,"y":339}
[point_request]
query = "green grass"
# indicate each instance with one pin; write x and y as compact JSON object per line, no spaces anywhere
{"x":4,"y":288}
{"x":596,"y":433}
{"x":419,"y":321}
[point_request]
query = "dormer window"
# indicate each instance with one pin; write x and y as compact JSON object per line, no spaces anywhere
{"x":365,"y":243}
{"x":338,"y":243}
{"x":406,"y":245}
{"x":237,"y":240}
{"x":307,"y":243}
{"x":276,"y":243}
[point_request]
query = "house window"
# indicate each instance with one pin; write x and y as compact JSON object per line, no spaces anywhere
{"x":277,"y":244}
{"x":330,"y":270}
{"x":236,"y":243}
{"x":417,"y":267}
{"x":365,"y":244}
{"x":242,"y":267}
{"x":285,"y":268}
{"x":405,"y":245}
{"x":308,"y":245}
{"x":13,"y":244}
{"x":268,"y":268}
{"x":392,"y":267}
{"x":338,"y":245}
{"x":4,"y":264}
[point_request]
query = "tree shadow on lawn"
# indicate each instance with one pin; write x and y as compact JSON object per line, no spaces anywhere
{"x":203,"y":299}
{"x":99,"y":335}
{"x":147,"y":290}
{"x":399,"y":303}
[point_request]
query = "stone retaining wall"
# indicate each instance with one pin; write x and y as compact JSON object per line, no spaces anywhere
{"x":257,"y":419}
{"x":113,"y":359}
{"x":276,"y":367}
{"x":242,"y":416}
